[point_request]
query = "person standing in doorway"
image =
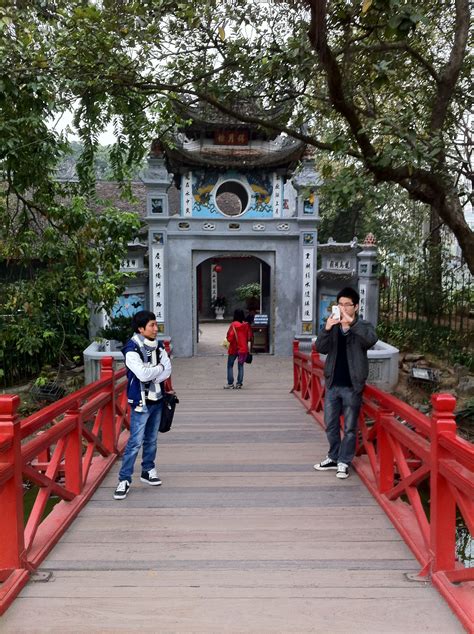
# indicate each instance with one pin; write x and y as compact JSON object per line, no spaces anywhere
{"x":345,"y":339}
{"x":148,"y":365}
{"x":239,"y":340}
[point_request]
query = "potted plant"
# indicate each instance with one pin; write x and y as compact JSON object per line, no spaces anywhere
{"x":219,"y":304}
{"x":250,"y":293}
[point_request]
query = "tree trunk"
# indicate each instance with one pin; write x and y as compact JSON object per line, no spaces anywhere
{"x":433,"y":291}
{"x":451,"y":212}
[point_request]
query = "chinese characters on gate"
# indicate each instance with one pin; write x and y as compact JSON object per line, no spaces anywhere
{"x":158,"y":283}
{"x":213,"y":283}
{"x":231,"y":137}
{"x":308,"y":274}
{"x":362,"y":299}
{"x":277,"y":196}
{"x":188,"y":194}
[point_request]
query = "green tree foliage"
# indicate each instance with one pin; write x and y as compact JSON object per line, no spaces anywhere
{"x":384,"y":82}
{"x":353,"y":206}
{"x":57,"y":254}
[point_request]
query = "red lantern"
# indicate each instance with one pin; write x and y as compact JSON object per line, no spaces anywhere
{"x":217,"y":268}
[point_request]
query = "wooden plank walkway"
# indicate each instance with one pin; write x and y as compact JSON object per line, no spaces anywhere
{"x":243,"y":536}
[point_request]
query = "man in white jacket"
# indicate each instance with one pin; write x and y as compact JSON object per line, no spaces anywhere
{"x":148,"y":365}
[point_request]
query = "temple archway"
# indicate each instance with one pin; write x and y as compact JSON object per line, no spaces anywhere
{"x":218,"y":276}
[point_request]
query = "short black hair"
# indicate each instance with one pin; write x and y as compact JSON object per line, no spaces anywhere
{"x":140,"y":319}
{"x":349,"y":292}
{"x":239,"y":315}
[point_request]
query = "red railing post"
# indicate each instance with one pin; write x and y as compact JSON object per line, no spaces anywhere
{"x":385,"y":454}
{"x":12,"y":543}
{"x":109,"y":437}
{"x":73,"y":453}
{"x":296,"y":347}
{"x":443,"y":505}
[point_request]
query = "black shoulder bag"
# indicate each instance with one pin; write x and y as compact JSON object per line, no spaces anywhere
{"x":170,"y":400}
{"x":167,"y":412}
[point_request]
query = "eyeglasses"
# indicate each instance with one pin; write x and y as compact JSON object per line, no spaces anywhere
{"x":345,"y":305}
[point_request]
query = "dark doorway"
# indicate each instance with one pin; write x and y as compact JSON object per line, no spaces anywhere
{"x":218,"y":277}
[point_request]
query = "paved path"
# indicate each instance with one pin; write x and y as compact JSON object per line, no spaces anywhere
{"x":211,"y":336}
{"x":243,"y":536}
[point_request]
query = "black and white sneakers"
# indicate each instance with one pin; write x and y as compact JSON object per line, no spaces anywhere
{"x":151,"y":477}
{"x":341,"y":468}
{"x":122,"y":489}
{"x":325,"y":465}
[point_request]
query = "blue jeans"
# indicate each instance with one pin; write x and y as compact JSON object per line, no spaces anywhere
{"x":346,"y":401}
{"x":144,"y":428}
{"x":230,"y":370}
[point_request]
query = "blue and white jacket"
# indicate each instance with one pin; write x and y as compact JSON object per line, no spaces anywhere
{"x":145,"y":371}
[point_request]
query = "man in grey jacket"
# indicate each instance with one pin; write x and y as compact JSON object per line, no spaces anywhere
{"x":345,"y":340}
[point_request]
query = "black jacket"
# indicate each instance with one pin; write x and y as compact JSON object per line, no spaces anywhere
{"x":360,"y":338}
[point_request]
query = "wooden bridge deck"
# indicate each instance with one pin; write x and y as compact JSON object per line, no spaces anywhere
{"x":243,"y":536}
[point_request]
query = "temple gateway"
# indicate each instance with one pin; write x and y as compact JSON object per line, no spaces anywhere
{"x":228,"y":204}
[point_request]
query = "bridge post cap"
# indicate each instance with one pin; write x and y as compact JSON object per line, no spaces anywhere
{"x":443,"y":403}
{"x":9,"y":403}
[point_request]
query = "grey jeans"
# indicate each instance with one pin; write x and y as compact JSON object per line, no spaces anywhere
{"x":345,"y":401}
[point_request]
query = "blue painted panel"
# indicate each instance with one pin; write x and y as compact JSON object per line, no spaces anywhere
{"x":128,"y":305}
{"x":259,"y":186}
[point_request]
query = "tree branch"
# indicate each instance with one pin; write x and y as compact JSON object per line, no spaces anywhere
{"x":449,"y":76}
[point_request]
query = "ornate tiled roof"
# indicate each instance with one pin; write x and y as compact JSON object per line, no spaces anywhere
{"x":283,"y":153}
{"x":196,"y":145}
{"x":205,"y":117}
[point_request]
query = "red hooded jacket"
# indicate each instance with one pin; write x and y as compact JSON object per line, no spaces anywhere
{"x":238,"y":344}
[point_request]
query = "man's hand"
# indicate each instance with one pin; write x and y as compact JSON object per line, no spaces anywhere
{"x":346,"y":319}
{"x":331,"y":321}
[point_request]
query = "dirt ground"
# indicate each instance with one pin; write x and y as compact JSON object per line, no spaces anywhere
{"x":418,"y":393}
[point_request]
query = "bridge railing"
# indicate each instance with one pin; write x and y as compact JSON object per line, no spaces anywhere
{"x":403,"y":457}
{"x":65,"y":450}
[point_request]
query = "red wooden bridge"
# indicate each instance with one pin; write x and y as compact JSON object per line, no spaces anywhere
{"x":243,"y":536}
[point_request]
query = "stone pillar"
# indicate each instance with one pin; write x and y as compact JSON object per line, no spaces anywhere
{"x":369,"y":281}
{"x":306,"y":182}
{"x":158,"y":263}
{"x":157,"y":181}
{"x":308,"y":251}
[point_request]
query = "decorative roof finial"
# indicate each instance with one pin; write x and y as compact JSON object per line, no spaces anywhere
{"x":369,"y":240}
{"x":156,"y":149}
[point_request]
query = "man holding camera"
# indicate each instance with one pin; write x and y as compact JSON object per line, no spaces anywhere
{"x":345,"y":339}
